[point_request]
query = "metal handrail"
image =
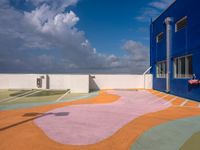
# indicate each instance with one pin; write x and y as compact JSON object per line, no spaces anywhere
{"x":144,"y":76}
{"x":147,"y":70}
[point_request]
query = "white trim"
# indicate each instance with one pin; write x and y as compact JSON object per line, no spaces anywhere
{"x":62,"y":96}
{"x":169,"y":102}
{"x":182,"y":104}
{"x":160,"y":98}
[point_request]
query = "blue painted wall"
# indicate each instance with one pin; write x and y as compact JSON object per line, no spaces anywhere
{"x":186,"y":41}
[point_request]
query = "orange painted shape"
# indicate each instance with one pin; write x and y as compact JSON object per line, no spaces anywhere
{"x":160,"y":94}
{"x":169,"y":97}
{"x":192,"y":104}
{"x":178,"y":101}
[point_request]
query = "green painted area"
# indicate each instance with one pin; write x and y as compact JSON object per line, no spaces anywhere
{"x":10,"y":93}
{"x":18,"y":93}
{"x":49,"y":93}
{"x":168,"y":136}
{"x":193,"y":143}
{"x":33,"y":101}
{"x":41,"y":96}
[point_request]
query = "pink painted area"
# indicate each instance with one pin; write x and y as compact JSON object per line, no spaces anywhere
{"x":89,"y":124}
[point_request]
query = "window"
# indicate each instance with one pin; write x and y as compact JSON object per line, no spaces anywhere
{"x":161,"y":69}
{"x":182,"y":23}
{"x":183,"y":67}
{"x":159,"y":37}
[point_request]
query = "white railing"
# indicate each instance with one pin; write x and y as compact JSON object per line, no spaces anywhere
{"x":144,"y":76}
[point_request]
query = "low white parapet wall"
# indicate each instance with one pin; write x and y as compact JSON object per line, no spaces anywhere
{"x":19,"y":81}
{"x":76,"y":83}
{"x":120,"y":81}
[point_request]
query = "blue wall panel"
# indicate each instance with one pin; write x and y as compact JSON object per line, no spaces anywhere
{"x":186,"y":41}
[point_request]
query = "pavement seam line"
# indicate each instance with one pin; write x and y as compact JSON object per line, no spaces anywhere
{"x":62,"y":96}
{"x":161,"y":98}
{"x":183,"y":103}
{"x":23,"y":96}
{"x":173,"y":99}
{"x":10,"y":98}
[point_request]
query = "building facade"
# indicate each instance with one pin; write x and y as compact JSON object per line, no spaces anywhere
{"x":175,"y":49}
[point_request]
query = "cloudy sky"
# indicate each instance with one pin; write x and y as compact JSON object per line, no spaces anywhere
{"x":76,"y":36}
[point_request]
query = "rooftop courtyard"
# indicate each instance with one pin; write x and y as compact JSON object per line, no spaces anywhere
{"x":102,"y":120}
{"x":99,"y":75}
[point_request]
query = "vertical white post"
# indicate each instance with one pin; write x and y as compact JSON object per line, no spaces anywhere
{"x":169,"y":31}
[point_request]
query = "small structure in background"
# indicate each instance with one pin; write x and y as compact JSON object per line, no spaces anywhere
{"x":39,"y":82}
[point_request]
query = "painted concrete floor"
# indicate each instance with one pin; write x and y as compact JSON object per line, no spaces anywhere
{"x":18,"y":99}
{"x":111,"y":120}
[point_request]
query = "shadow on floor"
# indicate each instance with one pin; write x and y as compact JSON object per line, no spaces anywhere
{"x":34,"y":115}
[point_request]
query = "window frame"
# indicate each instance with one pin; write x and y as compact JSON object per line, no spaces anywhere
{"x":157,"y":37}
{"x":176,"y":25}
{"x":163,"y":64}
{"x":177,"y":71}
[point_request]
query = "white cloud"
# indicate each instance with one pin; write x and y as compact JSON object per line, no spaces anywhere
{"x":153,"y":10}
{"x":47,"y":20}
{"x":46,"y":40}
{"x":162,"y":4}
{"x":54,"y":4}
{"x":136,"y":50}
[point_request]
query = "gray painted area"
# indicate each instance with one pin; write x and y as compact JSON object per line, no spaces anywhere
{"x":34,"y":104}
{"x":168,"y":136}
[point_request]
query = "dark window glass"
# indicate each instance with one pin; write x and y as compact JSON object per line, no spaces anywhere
{"x":190,"y":65}
{"x":176,"y":68}
{"x":160,"y":37}
{"x":181,"y":24}
{"x":161,"y":69}
{"x":182,"y":60}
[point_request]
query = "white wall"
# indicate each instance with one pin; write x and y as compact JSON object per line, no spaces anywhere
{"x":20,"y":81}
{"x":120,"y":82}
{"x":76,"y":83}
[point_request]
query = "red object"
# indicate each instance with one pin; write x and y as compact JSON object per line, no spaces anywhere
{"x":194,"y":82}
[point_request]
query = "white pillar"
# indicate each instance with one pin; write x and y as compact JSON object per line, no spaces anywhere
{"x":169,"y":31}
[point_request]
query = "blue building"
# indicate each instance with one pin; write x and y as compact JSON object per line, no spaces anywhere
{"x":175,"y":49}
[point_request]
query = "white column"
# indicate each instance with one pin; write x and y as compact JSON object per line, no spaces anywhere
{"x":169,"y":31}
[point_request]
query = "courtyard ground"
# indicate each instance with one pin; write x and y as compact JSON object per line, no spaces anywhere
{"x":105,"y":120}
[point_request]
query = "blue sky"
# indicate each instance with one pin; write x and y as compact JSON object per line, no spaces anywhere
{"x":76,"y":36}
{"x":112,"y":23}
